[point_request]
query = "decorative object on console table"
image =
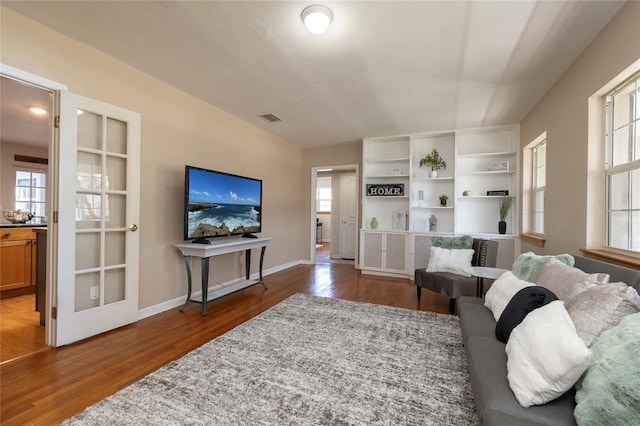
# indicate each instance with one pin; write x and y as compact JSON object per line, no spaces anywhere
{"x":505,"y":206}
{"x":443,"y":200}
{"x":385,"y":190}
{"x":499,"y":166}
{"x":435,"y":161}
{"x":400,"y":220}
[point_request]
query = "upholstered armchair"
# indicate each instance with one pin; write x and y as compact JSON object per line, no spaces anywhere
{"x":452,"y":285}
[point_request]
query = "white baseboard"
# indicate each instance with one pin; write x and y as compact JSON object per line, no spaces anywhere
{"x":214,"y":291}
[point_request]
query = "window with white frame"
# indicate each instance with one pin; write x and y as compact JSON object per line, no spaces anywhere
{"x":323,"y":194}
{"x":30,"y":191}
{"x":539,"y":185}
{"x":622,"y":166}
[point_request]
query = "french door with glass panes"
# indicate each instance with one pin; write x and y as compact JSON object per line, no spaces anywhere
{"x":97,"y":236}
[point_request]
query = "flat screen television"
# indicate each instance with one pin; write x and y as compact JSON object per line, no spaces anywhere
{"x":218,"y":204}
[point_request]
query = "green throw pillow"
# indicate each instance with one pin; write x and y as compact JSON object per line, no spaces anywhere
{"x":527,"y":265}
{"x":463,"y":242}
{"x":609,"y":392}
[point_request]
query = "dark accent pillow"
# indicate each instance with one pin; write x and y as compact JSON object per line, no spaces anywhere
{"x":523,"y":302}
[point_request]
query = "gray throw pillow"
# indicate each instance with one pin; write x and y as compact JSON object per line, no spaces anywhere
{"x":566,"y":281}
{"x":528,"y":264}
{"x":600,"y":308}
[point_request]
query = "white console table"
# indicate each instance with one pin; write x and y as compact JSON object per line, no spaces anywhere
{"x":216,"y":248}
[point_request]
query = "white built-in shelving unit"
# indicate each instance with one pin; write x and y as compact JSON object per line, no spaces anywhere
{"x":396,"y":247}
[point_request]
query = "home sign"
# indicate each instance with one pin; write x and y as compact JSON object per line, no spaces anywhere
{"x":385,"y":190}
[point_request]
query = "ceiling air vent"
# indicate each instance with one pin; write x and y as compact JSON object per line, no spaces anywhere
{"x":271,"y":118}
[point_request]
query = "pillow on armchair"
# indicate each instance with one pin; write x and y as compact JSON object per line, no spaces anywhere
{"x":462,"y":242}
{"x":450,"y":260}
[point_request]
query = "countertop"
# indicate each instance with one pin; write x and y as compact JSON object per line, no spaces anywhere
{"x":23,"y":225}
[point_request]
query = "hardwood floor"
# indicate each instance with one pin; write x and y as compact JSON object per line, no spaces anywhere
{"x":20,"y":330}
{"x":52,"y":385}
{"x":323,"y":253}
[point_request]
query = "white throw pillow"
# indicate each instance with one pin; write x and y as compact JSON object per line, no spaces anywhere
{"x":545,"y":356}
{"x":450,"y":260}
{"x":501,"y":292}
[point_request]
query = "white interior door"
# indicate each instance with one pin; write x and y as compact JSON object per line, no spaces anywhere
{"x":348,"y":215}
{"x":98,"y":207}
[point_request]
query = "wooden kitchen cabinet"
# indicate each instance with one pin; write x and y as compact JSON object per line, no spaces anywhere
{"x":17,"y":258}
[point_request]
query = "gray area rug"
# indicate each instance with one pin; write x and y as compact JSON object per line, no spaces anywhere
{"x":309,"y":361}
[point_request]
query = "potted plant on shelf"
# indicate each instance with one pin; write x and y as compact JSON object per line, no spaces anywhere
{"x":435,"y":161}
{"x":443,"y":200}
{"x":505,"y":206}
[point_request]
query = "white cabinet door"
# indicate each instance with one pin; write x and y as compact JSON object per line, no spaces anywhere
{"x":420,"y":252}
{"x":384,"y":252}
{"x":395,"y":252}
{"x":371,"y":250}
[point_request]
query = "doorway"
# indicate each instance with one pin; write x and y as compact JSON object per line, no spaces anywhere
{"x":27,"y":108}
{"x":94,"y":287}
{"x":335,"y":212}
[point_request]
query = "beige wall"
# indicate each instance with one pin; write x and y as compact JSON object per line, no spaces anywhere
{"x":350,"y":153}
{"x":177,"y":129}
{"x":571,"y":206}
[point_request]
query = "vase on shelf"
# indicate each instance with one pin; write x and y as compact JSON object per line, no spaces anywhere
{"x":433,"y":174}
{"x":502,"y":227}
{"x":443,"y":203}
{"x":374,"y":223}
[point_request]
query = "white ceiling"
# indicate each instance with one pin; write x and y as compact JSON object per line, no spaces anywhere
{"x":383,"y":68}
{"x":17,"y":123}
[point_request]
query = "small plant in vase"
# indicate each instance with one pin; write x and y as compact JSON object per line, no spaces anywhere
{"x":443,"y":200}
{"x":435,"y":161}
{"x":505,"y":206}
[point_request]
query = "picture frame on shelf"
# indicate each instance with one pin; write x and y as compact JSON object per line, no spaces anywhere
{"x":400,"y":220}
{"x":498,"y":166}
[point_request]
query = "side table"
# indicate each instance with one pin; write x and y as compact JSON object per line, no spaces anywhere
{"x":482,"y":272}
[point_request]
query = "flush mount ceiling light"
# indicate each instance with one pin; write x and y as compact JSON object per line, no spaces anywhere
{"x":317,"y":18}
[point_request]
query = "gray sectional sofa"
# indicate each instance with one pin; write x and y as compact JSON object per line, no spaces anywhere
{"x":495,"y":402}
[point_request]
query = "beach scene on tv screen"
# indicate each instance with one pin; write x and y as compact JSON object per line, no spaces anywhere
{"x":222,"y":204}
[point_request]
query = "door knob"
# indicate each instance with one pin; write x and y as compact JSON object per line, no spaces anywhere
{"x":133,"y":228}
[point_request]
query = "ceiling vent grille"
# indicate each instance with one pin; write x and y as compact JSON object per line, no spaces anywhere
{"x":271,"y":118}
